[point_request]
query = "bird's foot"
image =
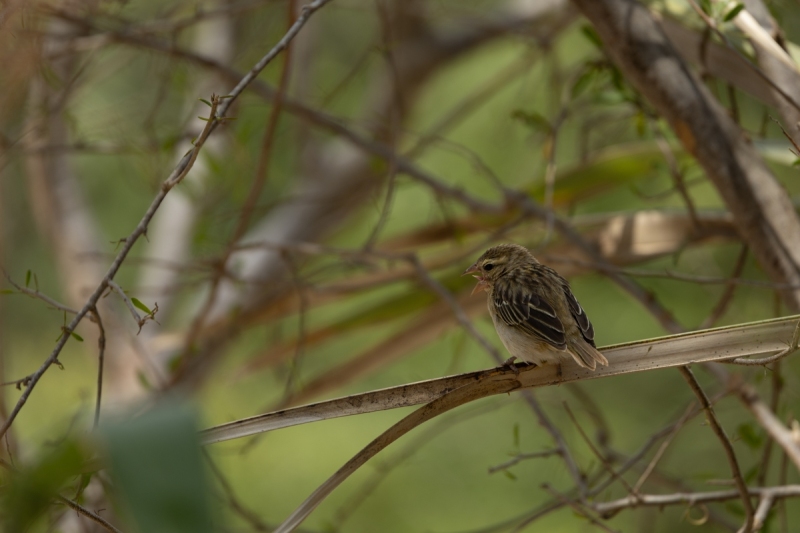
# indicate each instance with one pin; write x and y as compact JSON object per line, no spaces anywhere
{"x":511,"y":365}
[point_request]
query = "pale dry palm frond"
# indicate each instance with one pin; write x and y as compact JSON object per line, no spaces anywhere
{"x":719,"y":344}
{"x":778,"y":336}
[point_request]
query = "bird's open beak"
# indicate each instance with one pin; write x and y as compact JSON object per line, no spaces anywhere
{"x":482,"y":285}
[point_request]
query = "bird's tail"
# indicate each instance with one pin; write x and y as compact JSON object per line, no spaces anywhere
{"x":586,"y":355}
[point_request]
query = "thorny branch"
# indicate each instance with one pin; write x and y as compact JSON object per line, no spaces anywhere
{"x":140,"y":320}
{"x":36,"y":293}
{"x":174,"y":178}
{"x":219,"y":107}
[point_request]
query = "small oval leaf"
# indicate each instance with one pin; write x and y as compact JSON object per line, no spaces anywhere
{"x":733,"y":12}
{"x":140,"y":306}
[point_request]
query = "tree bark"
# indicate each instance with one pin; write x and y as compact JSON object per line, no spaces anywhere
{"x":763,"y":213}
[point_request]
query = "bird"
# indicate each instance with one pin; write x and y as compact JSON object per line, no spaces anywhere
{"x":535,"y":314}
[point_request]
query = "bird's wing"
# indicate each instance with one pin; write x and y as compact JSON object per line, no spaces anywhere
{"x":531,"y":314}
{"x":580,"y":316}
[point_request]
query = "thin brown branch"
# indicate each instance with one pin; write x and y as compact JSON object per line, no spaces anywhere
{"x":609,"y":509}
{"x":251,"y":200}
{"x":603,"y":460}
{"x":675,"y":172}
{"x":395,"y":111}
{"x":551,"y":166}
{"x":18,"y":383}
{"x":762,"y":211}
{"x":763,"y":509}
{"x":673,"y":432}
{"x":174,"y":178}
{"x":776,"y":389}
{"x":766,"y":418}
{"x":128,"y":303}
{"x":560,"y":442}
{"x":219,"y":107}
{"x":457,"y":310}
{"x":232,"y":500}
{"x":736,"y":473}
{"x":647,"y":299}
{"x":140,"y":320}
{"x":83,"y":511}
{"x":35,"y":293}
{"x":460,"y":396}
{"x":579,"y":508}
{"x":385,"y":467}
{"x":727,"y":295}
{"x":522,"y":457}
{"x":712,"y":25}
{"x":678,"y":276}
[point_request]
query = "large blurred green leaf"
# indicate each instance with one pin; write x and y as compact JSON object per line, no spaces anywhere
{"x":157,"y":468}
{"x":605,"y":170}
{"x":31,"y":491}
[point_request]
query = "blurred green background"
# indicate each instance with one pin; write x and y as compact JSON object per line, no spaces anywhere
{"x":131,"y":100}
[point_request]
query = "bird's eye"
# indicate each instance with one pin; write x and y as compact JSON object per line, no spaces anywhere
{"x":487,"y":267}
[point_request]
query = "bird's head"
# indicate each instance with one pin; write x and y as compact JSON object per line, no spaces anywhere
{"x":495,"y":263}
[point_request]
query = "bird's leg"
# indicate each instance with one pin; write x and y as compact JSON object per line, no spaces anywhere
{"x":509,"y":363}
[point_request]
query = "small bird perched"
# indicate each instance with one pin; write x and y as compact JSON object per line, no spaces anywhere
{"x":533,"y":309}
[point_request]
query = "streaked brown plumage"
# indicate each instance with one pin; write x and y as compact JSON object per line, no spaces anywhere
{"x":533,"y":309}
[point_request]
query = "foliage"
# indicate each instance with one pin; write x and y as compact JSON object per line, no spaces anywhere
{"x":304,"y":239}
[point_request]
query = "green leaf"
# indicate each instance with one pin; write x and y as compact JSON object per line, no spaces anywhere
{"x":750,"y":474}
{"x":617,"y":79}
{"x":7,"y":291}
{"x":29,"y":493}
{"x":205,"y":102}
{"x":76,"y":337}
{"x":27,"y":278}
{"x":733,"y":12}
{"x":735,"y":508}
{"x":592,"y":36}
{"x":533,"y":120}
{"x":750,"y":436}
{"x":83,"y":483}
{"x":509,"y":475}
{"x":143,"y":381}
{"x":516,"y":436}
{"x":705,"y":5}
{"x":157,"y":467}
{"x":604,"y":170}
{"x":583,"y":81}
{"x":641,"y":124}
{"x":140,"y":306}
